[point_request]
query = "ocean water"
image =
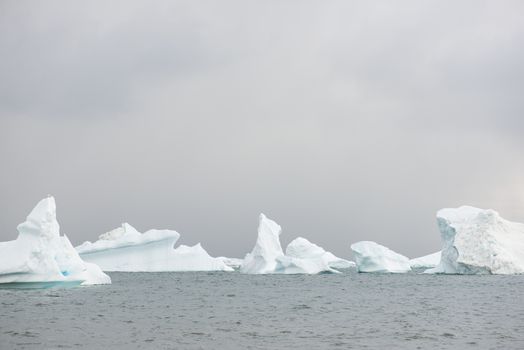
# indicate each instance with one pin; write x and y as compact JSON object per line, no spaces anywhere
{"x":235,"y":311}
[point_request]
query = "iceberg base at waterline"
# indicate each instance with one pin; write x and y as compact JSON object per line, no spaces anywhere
{"x":127,"y":250}
{"x":41,"y":257}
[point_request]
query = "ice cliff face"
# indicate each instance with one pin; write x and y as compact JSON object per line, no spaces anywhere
{"x":373,"y":257}
{"x":303,"y":249}
{"x":126,"y":249}
{"x":40,"y":254}
{"x":267,"y":255}
{"x":477,"y":241}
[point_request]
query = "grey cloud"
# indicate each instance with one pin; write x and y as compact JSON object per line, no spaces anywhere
{"x":342,"y":121}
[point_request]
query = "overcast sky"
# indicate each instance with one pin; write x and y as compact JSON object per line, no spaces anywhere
{"x":341,"y":120}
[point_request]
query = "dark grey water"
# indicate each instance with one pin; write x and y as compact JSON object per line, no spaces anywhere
{"x":235,"y":311}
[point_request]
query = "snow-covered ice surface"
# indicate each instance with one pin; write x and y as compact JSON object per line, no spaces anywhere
{"x":301,"y":248}
{"x":40,"y":255}
{"x":126,"y":249}
{"x":373,"y":257}
{"x":478,"y":241}
{"x":267,"y":255}
{"x":426,"y":261}
{"x":127,"y":236}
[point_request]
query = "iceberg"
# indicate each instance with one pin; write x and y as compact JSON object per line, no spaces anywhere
{"x":425,"y":262}
{"x":289,"y":265}
{"x":478,"y":241}
{"x":303,"y":249}
{"x":41,"y":256}
{"x":196,"y":258}
{"x":126,"y":249}
{"x":263,"y":257}
{"x":373,"y":257}
{"x":267,"y":256}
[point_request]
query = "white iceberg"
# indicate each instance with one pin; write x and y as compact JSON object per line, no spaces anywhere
{"x":426,"y":261}
{"x":196,"y":258}
{"x":477,"y":241}
{"x":289,"y":265}
{"x":267,"y":255}
{"x":373,"y":257}
{"x":303,"y":249}
{"x":263,"y":257}
{"x":126,"y":249}
{"x":40,"y":256}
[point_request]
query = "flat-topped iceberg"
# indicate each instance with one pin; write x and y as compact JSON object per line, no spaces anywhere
{"x":426,"y":261}
{"x":126,"y":249}
{"x":373,"y":257}
{"x":303,"y":249}
{"x":40,"y":256}
{"x":478,"y":241}
{"x":267,"y":255}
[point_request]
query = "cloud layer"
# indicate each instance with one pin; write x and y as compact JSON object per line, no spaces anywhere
{"x":343,"y":121}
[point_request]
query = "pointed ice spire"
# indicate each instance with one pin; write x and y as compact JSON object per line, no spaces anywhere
{"x":42,"y":220}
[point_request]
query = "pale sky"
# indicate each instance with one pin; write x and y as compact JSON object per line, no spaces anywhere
{"x":341,"y":120}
